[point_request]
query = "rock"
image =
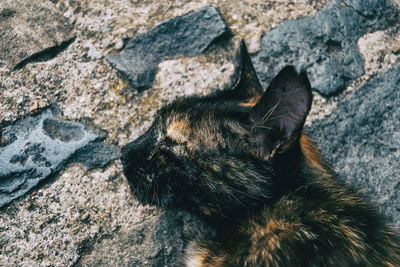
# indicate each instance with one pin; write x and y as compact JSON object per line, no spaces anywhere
{"x":396,"y":47}
{"x":29,"y":28}
{"x":160,"y":240}
{"x":95,"y":155}
{"x":37,"y":147}
{"x":188,"y":35}
{"x":362,"y":140}
{"x":105,"y":29}
{"x":93,"y":53}
{"x":324,"y":45}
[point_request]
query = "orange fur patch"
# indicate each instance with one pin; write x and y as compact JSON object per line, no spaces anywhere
{"x":200,"y":256}
{"x":251,"y":102}
{"x":177,"y":130}
{"x":312,"y":153}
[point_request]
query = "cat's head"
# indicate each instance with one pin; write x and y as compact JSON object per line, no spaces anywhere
{"x":221,"y":155}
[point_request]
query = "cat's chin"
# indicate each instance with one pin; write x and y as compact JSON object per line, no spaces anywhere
{"x":163,"y":201}
{"x":152,"y":197}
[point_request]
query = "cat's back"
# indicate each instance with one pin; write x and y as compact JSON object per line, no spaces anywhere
{"x":317,"y":226}
{"x":311,"y":227}
{"x":322,"y":223}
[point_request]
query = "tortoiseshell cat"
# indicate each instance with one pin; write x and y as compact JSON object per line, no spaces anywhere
{"x":238,"y":160}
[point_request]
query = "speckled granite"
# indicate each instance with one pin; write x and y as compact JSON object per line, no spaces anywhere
{"x":86,"y":218}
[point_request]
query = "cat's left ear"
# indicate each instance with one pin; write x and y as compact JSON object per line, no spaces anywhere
{"x":247,"y":88}
{"x":280,"y":114}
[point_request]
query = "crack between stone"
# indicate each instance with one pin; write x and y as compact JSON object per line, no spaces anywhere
{"x":355,"y":10}
{"x":46,"y":54}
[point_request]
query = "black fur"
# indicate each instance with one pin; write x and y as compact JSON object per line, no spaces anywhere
{"x":238,"y":160}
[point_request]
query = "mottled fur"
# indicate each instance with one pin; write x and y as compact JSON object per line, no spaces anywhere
{"x":238,"y":160}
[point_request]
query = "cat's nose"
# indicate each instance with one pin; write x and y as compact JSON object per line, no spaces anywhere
{"x":135,"y":153}
{"x":125,"y":154}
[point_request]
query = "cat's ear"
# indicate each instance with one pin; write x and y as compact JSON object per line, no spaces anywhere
{"x":247,"y":88}
{"x":280,"y":114}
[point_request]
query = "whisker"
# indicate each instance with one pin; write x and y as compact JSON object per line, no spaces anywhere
{"x":155,"y":195}
{"x":274,"y":118}
{"x":265,"y":127}
{"x":269,"y":113}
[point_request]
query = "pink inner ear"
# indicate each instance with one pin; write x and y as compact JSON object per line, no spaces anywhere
{"x":293,"y":111}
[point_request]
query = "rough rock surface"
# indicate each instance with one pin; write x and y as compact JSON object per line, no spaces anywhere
{"x":361,"y":138}
{"x":96,"y":154}
{"x":187,"y":35}
{"x":83,"y":218}
{"x":29,"y":27}
{"x":37,"y":147}
{"x":169,"y":233}
{"x":324,"y":45}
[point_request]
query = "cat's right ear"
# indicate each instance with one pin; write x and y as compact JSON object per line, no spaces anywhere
{"x":247,"y":88}
{"x":280,"y":114}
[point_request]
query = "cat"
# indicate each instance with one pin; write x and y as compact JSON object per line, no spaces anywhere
{"x":238,"y":159}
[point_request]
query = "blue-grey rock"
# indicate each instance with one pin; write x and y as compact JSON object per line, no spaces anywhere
{"x":95,"y":155}
{"x":324,"y":45}
{"x":361,"y":138}
{"x":188,"y":35}
{"x":37,"y":147}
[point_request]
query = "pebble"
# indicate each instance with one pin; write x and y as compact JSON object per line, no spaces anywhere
{"x":67,"y":14}
{"x":119,"y":44}
{"x":105,"y":29}
{"x":93,"y":53}
{"x":100,"y":69}
{"x":3,"y":140}
{"x":106,"y":42}
{"x":34,"y":106}
{"x":396,"y":47}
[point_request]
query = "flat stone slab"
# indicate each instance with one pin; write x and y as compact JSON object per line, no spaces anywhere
{"x":160,"y":240}
{"x":37,"y":147}
{"x":362,"y":140}
{"x":28,"y":28}
{"x":187,"y":35}
{"x":324,"y":45}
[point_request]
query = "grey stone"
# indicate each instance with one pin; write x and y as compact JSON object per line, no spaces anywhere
{"x":93,"y":53}
{"x":160,"y":240}
{"x":188,"y":35}
{"x":105,"y":29}
{"x":28,"y":28}
{"x":324,"y":45}
{"x":37,"y":147}
{"x":362,"y":140}
{"x":96,"y":154}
